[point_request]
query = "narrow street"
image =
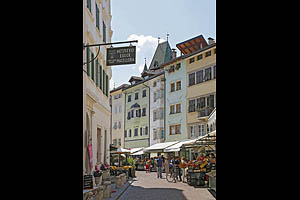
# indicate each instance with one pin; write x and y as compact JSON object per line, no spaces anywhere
{"x":148,"y":186}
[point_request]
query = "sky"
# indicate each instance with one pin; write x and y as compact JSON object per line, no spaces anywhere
{"x":146,"y":20}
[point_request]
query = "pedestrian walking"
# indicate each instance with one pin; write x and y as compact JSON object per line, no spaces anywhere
{"x":184,"y":169}
{"x":147,"y":165}
{"x":177,"y":163}
{"x":159,"y":166}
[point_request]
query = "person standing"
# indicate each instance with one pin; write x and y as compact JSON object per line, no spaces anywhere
{"x":147,"y":166}
{"x":167,"y":166}
{"x":159,"y":166}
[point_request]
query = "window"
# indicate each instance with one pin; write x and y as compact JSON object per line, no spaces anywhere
{"x":132,"y":114}
{"x":136,"y":96}
{"x":146,"y":130}
{"x":207,"y":74}
{"x":215,"y":50}
{"x":104,"y":32}
{"x":178,"y":108}
{"x":97,"y":73}
{"x":129,"y":98}
{"x":89,"y":5}
{"x":144,"y":112}
{"x":154,"y":115}
{"x":154,"y":134}
{"x":119,"y":125}
{"x":201,"y":129}
{"x":115,"y":142}
{"x":154,"y":96}
{"x":172,"y":87}
{"x":178,"y":129}
{"x":192,"y":60}
{"x":107,"y":85}
{"x":92,"y":67}
{"x":199,"y":57}
{"x":172,"y":109}
{"x":136,"y":130}
{"x":88,"y":61}
{"x":144,"y":93}
{"x":154,"y":84}
{"x":138,"y":113}
{"x":208,"y":54}
{"x":119,"y":142}
{"x":178,"y":85}
{"x":191,"y":79}
{"x":125,"y":133}
{"x":129,"y":115}
{"x":172,"y":130}
{"x":115,"y":125}
{"x":101,"y":83}
{"x":215,"y":75}
{"x":120,"y":108}
{"x":192,"y":105}
{"x":199,"y":76}
{"x":172,"y":69}
{"x":116,"y":109}
{"x":129,"y":132}
{"x":211,"y":101}
{"x":192,"y":131}
{"x":141,"y":131}
{"x":103,"y":80}
{"x":202,"y":102}
{"x":175,"y":129}
{"x":97,"y":18}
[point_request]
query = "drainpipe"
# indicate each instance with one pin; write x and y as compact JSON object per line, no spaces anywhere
{"x":149,"y":113}
{"x":165,"y":98}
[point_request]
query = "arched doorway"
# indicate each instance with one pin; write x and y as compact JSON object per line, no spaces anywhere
{"x":87,"y":142}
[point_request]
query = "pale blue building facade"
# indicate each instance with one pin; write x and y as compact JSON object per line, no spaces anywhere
{"x":175,"y":108}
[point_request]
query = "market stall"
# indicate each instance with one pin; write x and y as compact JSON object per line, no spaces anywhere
{"x":158,"y":149}
{"x":123,"y":164}
{"x":140,"y":159}
{"x":203,"y":161}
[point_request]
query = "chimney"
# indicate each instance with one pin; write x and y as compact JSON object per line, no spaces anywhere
{"x":174,"y":53}
{"x":211,"y":41}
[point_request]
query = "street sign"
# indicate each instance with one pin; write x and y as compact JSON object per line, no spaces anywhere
{"x":120,"y":55}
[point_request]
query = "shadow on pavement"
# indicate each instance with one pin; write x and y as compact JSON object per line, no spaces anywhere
{"x":141,"y":193}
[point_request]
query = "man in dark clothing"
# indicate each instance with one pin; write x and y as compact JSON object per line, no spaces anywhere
{"x":177,"y":163}
{"x":159,"y":166}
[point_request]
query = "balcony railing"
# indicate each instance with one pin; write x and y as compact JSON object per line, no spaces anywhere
{"x":204,"y":112}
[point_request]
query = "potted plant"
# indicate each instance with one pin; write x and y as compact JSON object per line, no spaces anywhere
{"x":97,"y":174}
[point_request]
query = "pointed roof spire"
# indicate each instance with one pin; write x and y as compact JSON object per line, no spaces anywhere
{"x":145,"y":66}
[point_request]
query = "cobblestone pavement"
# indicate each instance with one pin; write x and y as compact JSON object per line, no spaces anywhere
{"x":148,"y":187}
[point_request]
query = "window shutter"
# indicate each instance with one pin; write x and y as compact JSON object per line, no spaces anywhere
{"x":107,"y":85}
{"x":97,"y":72}
{"x":100,"y":75}
{"x":92,"y":66}
{"x":88,"y":61}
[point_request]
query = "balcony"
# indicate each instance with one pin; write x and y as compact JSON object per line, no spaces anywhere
{"x":203,"y":113}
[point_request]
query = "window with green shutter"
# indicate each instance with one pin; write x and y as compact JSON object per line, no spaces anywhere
{"x":104,"y":32}
{"x":103,"y":75}
{"x":88,"y":61}
{"x":100,"y":75}
{"x":97,"y":17}
{"x":92,"y":68}
{"x":89,"y":5}
{"x":97,"y":72}
{"x":107,"y":85}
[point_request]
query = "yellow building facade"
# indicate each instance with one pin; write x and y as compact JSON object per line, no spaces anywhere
{"x":201,"y":89}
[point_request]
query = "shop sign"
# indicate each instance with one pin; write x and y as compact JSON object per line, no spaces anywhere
{"x":120,"y":56}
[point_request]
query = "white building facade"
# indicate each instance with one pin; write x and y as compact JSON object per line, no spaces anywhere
{"x":157,"y":133}
{"x":96,"y":76}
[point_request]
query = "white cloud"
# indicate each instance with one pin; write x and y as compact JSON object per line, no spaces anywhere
{"x":145,"y":48}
